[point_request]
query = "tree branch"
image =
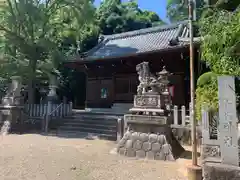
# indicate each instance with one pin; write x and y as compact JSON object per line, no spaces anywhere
{"x":14,"y":34}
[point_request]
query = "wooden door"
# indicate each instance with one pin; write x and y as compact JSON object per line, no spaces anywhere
{"x":100,"y":92}
{"x":106,"y":91}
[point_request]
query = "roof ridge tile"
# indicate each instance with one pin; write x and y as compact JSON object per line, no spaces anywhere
{"x":158,"y":38}
{"x":144,"y":31}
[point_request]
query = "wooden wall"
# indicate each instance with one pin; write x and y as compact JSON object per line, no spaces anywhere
{"x":118,"y":76}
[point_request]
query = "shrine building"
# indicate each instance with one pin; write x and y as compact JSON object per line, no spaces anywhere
{"x":110,"y":67}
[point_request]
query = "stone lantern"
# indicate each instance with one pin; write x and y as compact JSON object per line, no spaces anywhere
{"x":52,"y":94}
{"x":163,"y":77}
{"x":11,"y":107}
{"x":13,"y":96}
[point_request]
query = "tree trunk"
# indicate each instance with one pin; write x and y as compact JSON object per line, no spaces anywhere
{"x":31,"y":81}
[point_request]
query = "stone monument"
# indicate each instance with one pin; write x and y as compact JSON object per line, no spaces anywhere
{"x":11,"y":107}
{"x":148,"y":132}
{"x":220,"y":154}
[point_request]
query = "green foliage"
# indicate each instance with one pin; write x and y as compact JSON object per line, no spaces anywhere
{"x":229,"y":5}
{"x":206,"y":93}
{"x":33,"y":32}
{"x":220,"y":48}
{"x":220,"y":51}
{"x":178,"y":12}
{"x":206,"y":79}
{"x":116,"y":17}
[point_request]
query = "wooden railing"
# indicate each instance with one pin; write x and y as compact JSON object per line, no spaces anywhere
{"x":181,"y":116}
{"x":39,"y":110}
{"x":52,"y":113}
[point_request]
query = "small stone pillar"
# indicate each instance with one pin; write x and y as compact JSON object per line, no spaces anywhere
{"x":17,"y":87}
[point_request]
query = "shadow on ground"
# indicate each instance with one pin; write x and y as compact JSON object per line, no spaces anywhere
{"x":188,"y":154}
{"x":82,"y":135}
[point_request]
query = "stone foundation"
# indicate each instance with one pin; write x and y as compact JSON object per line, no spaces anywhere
{"x":149,"y":134}
{"x":151,"y":146}
{"x":219,"y":171}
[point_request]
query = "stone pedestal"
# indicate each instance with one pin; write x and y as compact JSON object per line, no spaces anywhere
{"x":149,"y":133}
{"x":149,"y":137}
{"x":220,"y":171}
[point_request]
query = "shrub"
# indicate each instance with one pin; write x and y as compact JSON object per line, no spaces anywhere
{"x":206,"y":92}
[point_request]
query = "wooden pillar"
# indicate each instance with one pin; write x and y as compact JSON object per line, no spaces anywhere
{"x":86,"y":94}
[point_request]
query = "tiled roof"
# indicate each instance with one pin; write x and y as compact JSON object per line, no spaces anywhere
{"x":139,"y":41}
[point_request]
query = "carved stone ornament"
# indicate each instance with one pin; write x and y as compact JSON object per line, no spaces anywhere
{"x":227,"y":141}
{"x":147,"y":101}
{"x":226,"y":126}
{"x":148,"y":82}
{"x":211,"y":151}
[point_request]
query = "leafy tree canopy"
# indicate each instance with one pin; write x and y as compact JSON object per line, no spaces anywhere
{"x":220,"y":50}
{"x":32,"y":34}
{"x":229,"y":5}
{"x":116,"y":17}
{"x":176,"y":11}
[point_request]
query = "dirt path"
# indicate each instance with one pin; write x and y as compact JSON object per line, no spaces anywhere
{"x":36,"y":157}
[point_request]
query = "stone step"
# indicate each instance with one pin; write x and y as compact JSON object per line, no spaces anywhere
{"x":82,"y":122}
{"x":90,"y":121}
{"x":96,"y":112}
{"x":83,"y":133}
{"x":75,"y":134}
{"x":95,"y":117}
{"x":86,"y":124}
{"x":88,"y":129}
{"x":122,"y":105}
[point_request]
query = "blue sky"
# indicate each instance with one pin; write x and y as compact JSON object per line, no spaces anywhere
{"x":158,"y":6}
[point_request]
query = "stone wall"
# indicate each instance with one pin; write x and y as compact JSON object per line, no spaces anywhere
{"x":150,"y":146}
{"x":212,"y":171}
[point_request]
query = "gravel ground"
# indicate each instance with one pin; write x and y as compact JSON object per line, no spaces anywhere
{"x":37,"y":157}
